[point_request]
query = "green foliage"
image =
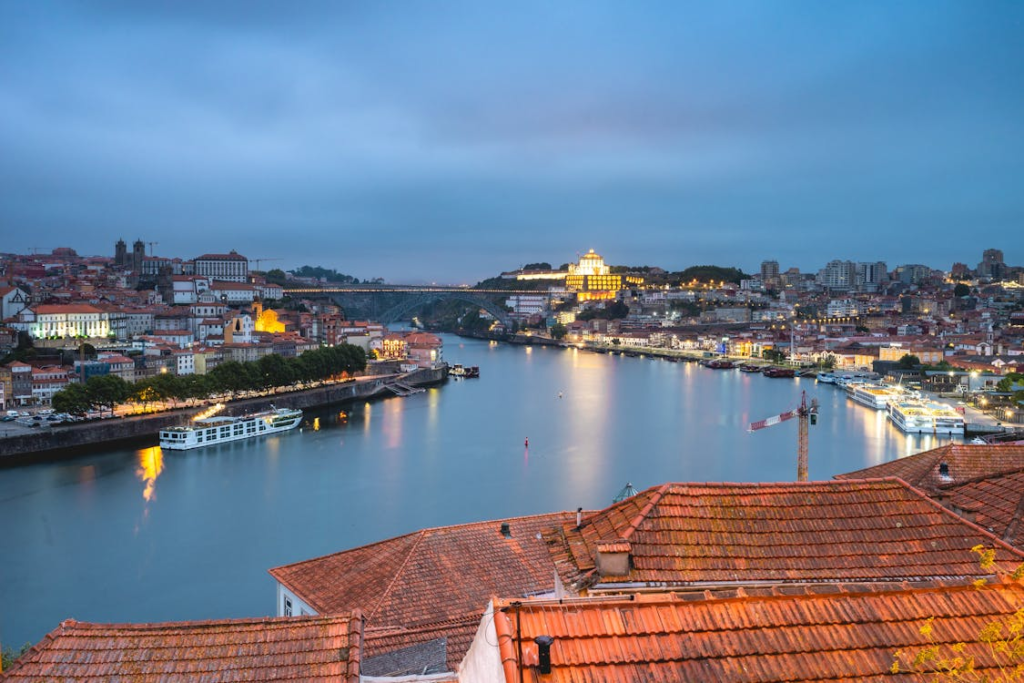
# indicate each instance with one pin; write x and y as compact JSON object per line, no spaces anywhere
{"x":706,"y":274}
{"x":106,"y":391}
{"x":276,"y":276}
{"x":509,"y":284}
{"x":1004,"y":637}
{"x":542,"y":265}
{"x":328,"y":274}
{"x":613,"y":311}
{"x":558,"y":331}
{"x":230,"y":377}
{"x":773,"y":355}
{"x":1009,"y":382}
{"x":72,"y":399}
{"x":909,"y":361}
{"x":961,"y":289}
{"x":8,"y":656}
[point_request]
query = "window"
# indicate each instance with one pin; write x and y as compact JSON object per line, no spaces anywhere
{"x":287,"y":606}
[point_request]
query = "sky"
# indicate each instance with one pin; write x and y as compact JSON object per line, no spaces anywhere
{"x":447,"y":141}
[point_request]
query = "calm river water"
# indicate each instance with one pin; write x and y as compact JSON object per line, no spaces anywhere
{"x":137,"y":535}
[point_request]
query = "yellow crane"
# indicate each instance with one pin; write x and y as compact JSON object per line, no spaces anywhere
{"x":806,"y":414}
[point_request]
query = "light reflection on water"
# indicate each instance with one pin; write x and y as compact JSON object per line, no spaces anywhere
{"x":223,"y":515}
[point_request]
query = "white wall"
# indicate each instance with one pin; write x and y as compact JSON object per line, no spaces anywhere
{"x":482,"y":663}
{"x":299,"y":608}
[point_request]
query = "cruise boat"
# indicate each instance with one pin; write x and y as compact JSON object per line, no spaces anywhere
{"x":915,"y":416}
{"x":221,"y":429}
{"x":877,"y":396}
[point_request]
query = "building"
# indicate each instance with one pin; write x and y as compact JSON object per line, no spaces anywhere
{"x":992,"y":265}
{"x":755,"y":634}
{"x":12,"y":301}
{"x":311,"y":649}
{"x":231,"y":267}
{"x":770,"y":275}
{"x":592,"y":280}
{"x":684,"y":538}
{"x":65,"y":320}
{"x":871,"y":277}
{"x":839,"y":276}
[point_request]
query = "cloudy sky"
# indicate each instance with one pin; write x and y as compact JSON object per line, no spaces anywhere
{"x":446,"y":141}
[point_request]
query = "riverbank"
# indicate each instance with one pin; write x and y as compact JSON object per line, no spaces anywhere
{"x":70,"y":440}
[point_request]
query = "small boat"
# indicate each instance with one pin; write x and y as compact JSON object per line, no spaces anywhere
{"x":827,"y":378}
{"x":773,"y":371}
{"x":720,"y":364}
{"x":472,"y":371}
{"x":208,"y":431}
{"x":749,"y":367}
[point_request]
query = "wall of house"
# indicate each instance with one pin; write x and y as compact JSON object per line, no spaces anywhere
{"x":482,"y":663}
{"x":299,"y":608}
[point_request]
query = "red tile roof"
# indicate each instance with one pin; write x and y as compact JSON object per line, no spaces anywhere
{"x":55,"y":309}
{"x":284,"y":649}
{"x":430,"y":576}
{"x":996,"y":502}
{"x":458,"y":633}
{"x":824,"y":633}
{"x":713,"y":534}
{"x":964,"y":463}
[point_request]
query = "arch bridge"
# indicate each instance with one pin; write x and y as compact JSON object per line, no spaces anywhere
{"x":403,"y":309}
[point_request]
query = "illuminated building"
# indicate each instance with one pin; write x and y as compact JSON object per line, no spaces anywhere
{"x":592,"y":280}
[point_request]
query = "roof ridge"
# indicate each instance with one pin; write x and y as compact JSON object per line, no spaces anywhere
{"x":962,"y":520}
{"x":655,"y":499}
{"x":394,"y":579}
{"x":339,"y":552}
{"x":500,"y":519}
{"x":953,"y":485}
{"x":207,"y":623}
{"x":1011,"y":528}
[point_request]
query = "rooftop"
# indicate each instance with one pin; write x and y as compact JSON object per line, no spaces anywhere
{"x":964,"y":462}
{"x":846,"y":632}
{"x":284,"y":649}
{"x":724,"y":534}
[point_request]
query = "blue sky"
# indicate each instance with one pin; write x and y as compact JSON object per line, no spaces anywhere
{"x":444,"y":141}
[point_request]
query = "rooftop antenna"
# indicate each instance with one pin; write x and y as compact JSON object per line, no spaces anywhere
{"x":151,"y":245}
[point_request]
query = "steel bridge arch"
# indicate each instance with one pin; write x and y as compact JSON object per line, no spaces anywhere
{"x":396,"y":313}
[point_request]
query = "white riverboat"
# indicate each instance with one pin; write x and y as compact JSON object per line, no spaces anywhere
{"x":877,"y":396}
{"x":915,"y":416}
{"x":221,"y":429}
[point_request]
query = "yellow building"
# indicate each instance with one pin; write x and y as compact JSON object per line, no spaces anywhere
{"x":592,"y":280}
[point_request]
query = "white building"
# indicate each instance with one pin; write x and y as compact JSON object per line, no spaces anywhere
{"x":12,"y":301}
{"x":231,"y":267}
{"x":64,"y":320}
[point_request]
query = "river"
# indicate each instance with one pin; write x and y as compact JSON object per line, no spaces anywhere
{"x":140,"y":535}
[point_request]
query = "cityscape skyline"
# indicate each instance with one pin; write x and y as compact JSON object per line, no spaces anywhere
{"x":461,"y":140}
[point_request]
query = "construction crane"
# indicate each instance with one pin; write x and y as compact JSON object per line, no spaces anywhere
{"x":151,"y":245}
{"x":806,"y":414}
{"x":258,"y":261}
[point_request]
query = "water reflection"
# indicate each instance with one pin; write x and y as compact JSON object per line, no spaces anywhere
{"x":151,"y":464}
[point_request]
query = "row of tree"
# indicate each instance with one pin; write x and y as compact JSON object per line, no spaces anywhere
{"x":104,"y":392}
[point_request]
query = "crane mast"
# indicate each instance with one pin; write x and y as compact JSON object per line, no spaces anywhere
{"x":806,"y":414}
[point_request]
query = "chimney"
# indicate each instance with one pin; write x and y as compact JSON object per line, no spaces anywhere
{"x":613,"y":557}
{"x":579,"y":518}
{"x":506,"y":530}
{"x":943,"y":469}
{"x":544,"y":653}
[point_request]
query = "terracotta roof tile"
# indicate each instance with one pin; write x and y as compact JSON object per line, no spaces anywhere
{"x":997,"y":503}
{"x":963,"y":461}
{"x":697,"y":534}
{"x":283,"y":649}
{"x":430,"y":576}
{"x":824,"y":633}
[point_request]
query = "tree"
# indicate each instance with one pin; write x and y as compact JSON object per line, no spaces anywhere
{"x":542,"y":265}
{"x":909,"y":361}
{"x":558,"y":331}
{"x":72,"y":399}
{"x":276,"y":276}
{"x":106,"y":391}
{"x":961,"y":290}
{"x":9,"y":655}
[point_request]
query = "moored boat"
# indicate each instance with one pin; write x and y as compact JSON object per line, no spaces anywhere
{"x":750,"y":367}
{"x":876,"y":396}
{"x":720,"y":364}
{"x":221,"y":429}
{"x":827,"y":378}
{"x":773,"y":371}
{"x":915,"y":416}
